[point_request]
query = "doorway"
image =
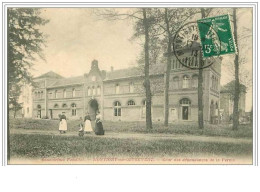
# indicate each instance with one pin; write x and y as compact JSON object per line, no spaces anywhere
{"x":185,"y":112}
{"x":93,"y":107}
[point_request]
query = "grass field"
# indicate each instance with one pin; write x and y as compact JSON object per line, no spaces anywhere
{"x":189,"y":128}
{"x":44,"y":141}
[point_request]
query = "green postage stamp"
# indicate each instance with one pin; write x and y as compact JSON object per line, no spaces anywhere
{"x":216,"y":36}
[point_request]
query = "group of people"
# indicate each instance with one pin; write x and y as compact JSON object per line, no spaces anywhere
{"x":85,"y":127}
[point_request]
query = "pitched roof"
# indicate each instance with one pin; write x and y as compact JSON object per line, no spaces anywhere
{"x":68,"y":81}
{"x":49,"y":74}
{"x":131,"y":72}
{"x":230,"y":87}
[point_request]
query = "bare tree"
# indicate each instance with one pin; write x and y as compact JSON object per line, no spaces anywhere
{"x":143,"y":21}
{"x":236,"y":63}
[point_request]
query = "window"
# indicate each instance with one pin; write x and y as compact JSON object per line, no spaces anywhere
{"x":117,"y":89}
{"x":130,"y":102}
{"x":98,"y":90}
{"x":74,"y":110}
{"x":175,"y":82}
{"x":64,"y":105}
{"x":117,"y":109}
{"x":131,"y":87}
{"x":41,"y":94}
{"x":144,"y":102}
{"x":173,"y":64}
{"x":195,"y":81}
{"x":73,"y":92}
{"x":64,"y":93}
{"x":185,"y":101}
{"x":185,"y":82}
{"x":50,"y":95}
{"x":56,"y":94}
{"x":56,"y":106}
{"x":89,"y":91}
{"x":93,"y":90}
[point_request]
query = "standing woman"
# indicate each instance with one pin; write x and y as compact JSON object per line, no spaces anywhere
{"x":88,"y":127}
{"x":63,"y":123}
{"x":98,"y":125}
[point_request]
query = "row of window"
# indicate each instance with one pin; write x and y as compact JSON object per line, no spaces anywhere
{"x":131,"y":88}
{"x":38,"y":94}
{"x":64,"y":93}
{"x":187,"y":82}
{"x":117,"y":105}
{"x":94,"y":91}
{"x":191,"y":61}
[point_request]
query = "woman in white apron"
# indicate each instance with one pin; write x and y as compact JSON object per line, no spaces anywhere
{"x":63,"y":124}
{"x":88,"y":127}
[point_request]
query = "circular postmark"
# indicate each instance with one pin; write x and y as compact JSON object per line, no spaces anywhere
{"x":189,"y":48}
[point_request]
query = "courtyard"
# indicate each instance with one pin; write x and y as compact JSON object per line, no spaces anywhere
{"x":37,"y":141}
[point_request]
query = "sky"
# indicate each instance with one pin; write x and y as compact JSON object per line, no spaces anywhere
{"x":76,"y":36}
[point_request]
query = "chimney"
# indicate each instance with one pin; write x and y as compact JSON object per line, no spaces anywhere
{"x":112,"y":68}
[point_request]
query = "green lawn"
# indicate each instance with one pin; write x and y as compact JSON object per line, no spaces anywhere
{"x":47,"y":143}
{"x":42,"y":146}
{"x":189,"y":128}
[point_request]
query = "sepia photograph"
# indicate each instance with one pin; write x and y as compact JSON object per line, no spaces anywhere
{"x":130,"y":85}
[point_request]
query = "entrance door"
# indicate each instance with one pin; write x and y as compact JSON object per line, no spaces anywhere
{"x":92,"y":109}
{"x":185,"y":112}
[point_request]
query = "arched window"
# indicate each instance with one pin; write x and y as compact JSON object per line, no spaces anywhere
{"x":64,"y":93}
{"x":64,"y":105}
{"x":56,"y":106}
{"x":117,"y":109}
{"x":56,"y":94}
{"x":73,"y":92}
{"x":176,"y":83}
{"x":195,"y":81}
{"x":117,"y":88}
{"x":74,"y":109}
{"x":39,"y":106}
{"x":41,"y":94}
{"x":186,"y":80}
{"x":93,"y":90}
{"x":98,"y":90}
{"x":130,"y":102}
{"x":89,"y":91}
{"x":185,"y":101}
{"x":131,"y":87}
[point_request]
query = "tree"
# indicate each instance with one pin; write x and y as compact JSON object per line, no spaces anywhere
{"x":143,"y":21}
{"x":236,"y":63}
{"x":24,"y":46}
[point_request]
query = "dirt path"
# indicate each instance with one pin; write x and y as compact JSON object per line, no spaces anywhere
{"x":147,"y":136}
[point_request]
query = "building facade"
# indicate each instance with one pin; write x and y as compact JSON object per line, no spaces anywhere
{"x":119,"y":94}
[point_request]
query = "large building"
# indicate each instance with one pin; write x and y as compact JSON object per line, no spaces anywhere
{"x":119,"y":94}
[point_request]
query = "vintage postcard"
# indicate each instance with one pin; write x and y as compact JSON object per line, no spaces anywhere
{"x":130,"y":85}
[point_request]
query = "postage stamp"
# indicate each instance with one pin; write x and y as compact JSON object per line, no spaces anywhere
{"x":187,"y":46}
{"x":216,"y":36}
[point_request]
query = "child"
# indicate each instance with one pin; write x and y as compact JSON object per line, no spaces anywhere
{"x":81,"y":130}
